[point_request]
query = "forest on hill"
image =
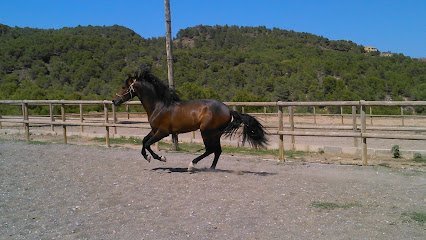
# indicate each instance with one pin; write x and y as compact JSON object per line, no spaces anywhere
{"x":228,"y":63}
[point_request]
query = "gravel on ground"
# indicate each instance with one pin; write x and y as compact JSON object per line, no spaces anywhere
{"x":57,"y":191}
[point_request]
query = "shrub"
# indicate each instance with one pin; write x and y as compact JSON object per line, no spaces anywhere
{"x":395,"y":151}
{"x":418,"y":157}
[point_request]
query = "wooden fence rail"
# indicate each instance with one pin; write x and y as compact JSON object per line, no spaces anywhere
{"x":357,"y":131}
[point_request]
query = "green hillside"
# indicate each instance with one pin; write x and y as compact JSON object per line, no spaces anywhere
{"x":228,"y":63}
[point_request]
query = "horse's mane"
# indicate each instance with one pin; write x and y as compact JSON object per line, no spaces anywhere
{"x":165,"y":94}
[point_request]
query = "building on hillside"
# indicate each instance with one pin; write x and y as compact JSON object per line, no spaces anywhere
{"x":370,"y":49}
{"x":386,"y":54}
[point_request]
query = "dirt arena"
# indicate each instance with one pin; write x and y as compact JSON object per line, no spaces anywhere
{"x":57,"y":191}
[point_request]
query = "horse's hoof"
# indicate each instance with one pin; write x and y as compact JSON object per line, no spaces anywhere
{"x":191,"y":167}
{"x":163,"y":159}
{"x":148,"y":158}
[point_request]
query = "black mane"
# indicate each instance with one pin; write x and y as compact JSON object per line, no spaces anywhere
{"x":167,"y":95}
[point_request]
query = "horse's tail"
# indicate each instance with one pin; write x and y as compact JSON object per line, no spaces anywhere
{"x":253,"y":131}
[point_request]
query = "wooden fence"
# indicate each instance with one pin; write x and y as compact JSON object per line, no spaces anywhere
{"x":357,"y":131}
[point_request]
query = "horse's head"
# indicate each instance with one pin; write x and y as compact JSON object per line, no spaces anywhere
{"x":127,"y":91}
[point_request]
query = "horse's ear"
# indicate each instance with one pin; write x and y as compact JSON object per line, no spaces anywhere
{"x":135,"y":75}
{"x":143,"y":71}
{"x":129,"y":79}
{"x":145,"y":68}
{"x":128,"y":76}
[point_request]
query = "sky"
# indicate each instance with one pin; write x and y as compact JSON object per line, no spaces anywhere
{"x":398,"y":26}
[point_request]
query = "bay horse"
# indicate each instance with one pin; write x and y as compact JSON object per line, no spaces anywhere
{"x":167,"y":114}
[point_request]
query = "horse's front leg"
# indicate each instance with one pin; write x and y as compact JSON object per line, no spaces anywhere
{"x":158,"y":135}
{"x":143,"y":151}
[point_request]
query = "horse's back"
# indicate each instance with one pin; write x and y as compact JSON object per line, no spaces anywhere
{"x":216,"y":107}
{"x":203,"y":114}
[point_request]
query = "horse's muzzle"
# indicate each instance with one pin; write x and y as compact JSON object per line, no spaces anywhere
{"x":117,"y":102}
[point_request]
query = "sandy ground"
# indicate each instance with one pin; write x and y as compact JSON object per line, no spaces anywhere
{"x":57,"y":191}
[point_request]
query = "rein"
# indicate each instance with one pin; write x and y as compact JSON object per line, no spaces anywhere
{"x":130,"y":91}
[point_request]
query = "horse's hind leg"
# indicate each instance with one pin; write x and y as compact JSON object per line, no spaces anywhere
{"x":158,"y":135}
{"x":212,"y":143}
{"x":217,"y":152}
{"x":197,"y":159}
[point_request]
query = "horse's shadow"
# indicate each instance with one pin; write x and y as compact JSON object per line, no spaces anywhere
{"x":185,"y":170}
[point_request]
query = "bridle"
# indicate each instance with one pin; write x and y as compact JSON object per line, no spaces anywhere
{"x":130,"y":91}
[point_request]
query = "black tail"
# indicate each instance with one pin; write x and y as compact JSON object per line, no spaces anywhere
{"x":253,"y":131}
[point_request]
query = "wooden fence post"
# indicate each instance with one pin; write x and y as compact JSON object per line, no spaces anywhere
{"x":114,"y":117}
{"x":281,"y":137}
{"x":193,"y":136}
{"x":291,"y":120}
{"x":402,"y":116}
{"x":52,"y":117}
{"x":0,"y":121}
{"x":64,"y":127}
{"x":354,"y":125}
{"x":26,"y":123}
{"x":371,"y":115}
{"x":363,"y":131}
{"x":81,"y":117}
{"x":106,"y":126}
{"x":341,"y":113}
{"x":264,"y":112}
{"x":128,"y":111}
{"x":315,"y":116}
{"x":23,"y":113}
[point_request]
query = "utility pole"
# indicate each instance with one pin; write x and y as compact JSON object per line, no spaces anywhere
{"x":170,"y":59}
{"x":169,"y":44}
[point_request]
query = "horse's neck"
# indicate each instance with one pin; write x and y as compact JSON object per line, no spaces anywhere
{"x":151,"y":105}
{"x":150,"y":100}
